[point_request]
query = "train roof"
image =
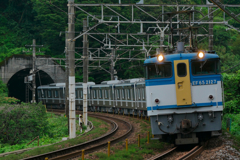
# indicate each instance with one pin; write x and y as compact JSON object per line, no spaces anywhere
{"x":62,"y":85}
{"x":127,"y":82}
{"x":180,"y":56}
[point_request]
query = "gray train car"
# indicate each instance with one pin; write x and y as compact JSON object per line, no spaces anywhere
{"x":118,"y":96}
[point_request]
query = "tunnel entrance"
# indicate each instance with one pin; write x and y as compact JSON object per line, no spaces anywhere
{"x":17,"y":87}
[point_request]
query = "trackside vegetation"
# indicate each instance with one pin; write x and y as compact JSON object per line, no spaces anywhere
{"x":22,"y":122}
{"x":97,"y":132}
{"x":55,"y":129}
{"x":231,"y":105}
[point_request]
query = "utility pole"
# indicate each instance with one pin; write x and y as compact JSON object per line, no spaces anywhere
{"x":112,"y":64}
{"x":33,"y":71}
{"x":71,"y":64}
{"x":66,"y":81}
{"x":85,"y":72}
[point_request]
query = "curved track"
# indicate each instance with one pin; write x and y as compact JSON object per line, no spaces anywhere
{"x":161,"y":155}
{"x":120,"y":129}
{"x":188,"y":156}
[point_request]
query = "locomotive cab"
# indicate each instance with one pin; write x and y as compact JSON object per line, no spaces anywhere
{"x":183,"y":93}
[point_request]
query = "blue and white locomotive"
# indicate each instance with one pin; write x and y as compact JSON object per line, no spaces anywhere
{"x":184,"y":96}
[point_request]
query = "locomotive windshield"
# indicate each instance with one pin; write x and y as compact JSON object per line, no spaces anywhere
{"x":209,"y":66}
{"x":158,"y":71}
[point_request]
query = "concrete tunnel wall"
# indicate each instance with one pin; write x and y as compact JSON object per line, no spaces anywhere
{"x":13,"y":70}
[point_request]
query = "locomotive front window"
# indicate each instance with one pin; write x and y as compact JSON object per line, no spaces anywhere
{"x":209,"y":66}
{"x":159,"y":71}
{"x":181,"y":69}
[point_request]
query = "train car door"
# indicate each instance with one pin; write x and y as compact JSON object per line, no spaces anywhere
{"x":182,"y":82}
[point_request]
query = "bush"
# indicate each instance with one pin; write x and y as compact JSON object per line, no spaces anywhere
{"x":21,"y":122}
{"x":232,"y":92}
{"x":235,"y":125}
{"x":8,"y":100}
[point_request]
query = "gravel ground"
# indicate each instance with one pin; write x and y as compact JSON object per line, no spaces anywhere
{"x":220,"y":148}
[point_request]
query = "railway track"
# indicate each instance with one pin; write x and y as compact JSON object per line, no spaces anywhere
{"x":120,"y":130}
{"x":190,"y":155}
{"x":94,"y":145}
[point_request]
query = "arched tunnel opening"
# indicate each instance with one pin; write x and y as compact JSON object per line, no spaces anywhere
{"x":18,"y":89}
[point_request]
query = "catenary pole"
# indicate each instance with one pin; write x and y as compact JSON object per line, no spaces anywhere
{"x":33,"y":72}
{"x":71,"y":64}
{"x":34,"y":69}
{"x":66,"y":81}
{"x":85,"y":71}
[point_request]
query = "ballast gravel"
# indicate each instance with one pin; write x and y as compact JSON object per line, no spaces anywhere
{"x":220,"y":148}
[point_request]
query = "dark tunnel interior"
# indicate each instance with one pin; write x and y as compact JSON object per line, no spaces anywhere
{"x":17,"y":87}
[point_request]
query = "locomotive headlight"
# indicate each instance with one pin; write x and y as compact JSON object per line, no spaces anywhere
{"x":200,"y":55}
{"x":160,"y":58}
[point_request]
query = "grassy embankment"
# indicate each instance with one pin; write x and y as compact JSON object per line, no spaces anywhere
{"x":134,"y":152}
{"x":59,"y":131}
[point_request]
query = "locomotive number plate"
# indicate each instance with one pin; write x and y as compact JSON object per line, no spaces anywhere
{"x":204,"y":82}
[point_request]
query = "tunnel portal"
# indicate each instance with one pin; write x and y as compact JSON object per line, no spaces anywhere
{"x":18,"y":89}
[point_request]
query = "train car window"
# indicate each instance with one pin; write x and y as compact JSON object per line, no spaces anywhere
{"x":209,"y":66}
{"x":143,"y":93}
{"x":159,"y":71}
{"x":100,"y":93}
{"x":76,"y":93}
{"x":81,"y":94}
{"x":106,"y":94}
{"x":88,"y":92}
{"x":123,"y":94}
{"x":39,"y":93}
{"x":56,"y":93}
{"x":49,"y":93}
{"x":139,"y":93}
{"x":129,"y":95}
{"x":42,"y":93}
{"x":181,"y":69}
{"x":94,"y":93}
{"x":109,"y":93}
{"x":118,"y":94}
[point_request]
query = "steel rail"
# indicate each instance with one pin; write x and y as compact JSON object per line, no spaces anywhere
{"x":79,"y":146}
{"x":158,"y":156}
{"x":196,"y":152}
{"x":96,"y":147}
{"x":183,"y":157}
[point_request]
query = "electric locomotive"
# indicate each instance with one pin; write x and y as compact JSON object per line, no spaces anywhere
{"x":184,"y":96}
